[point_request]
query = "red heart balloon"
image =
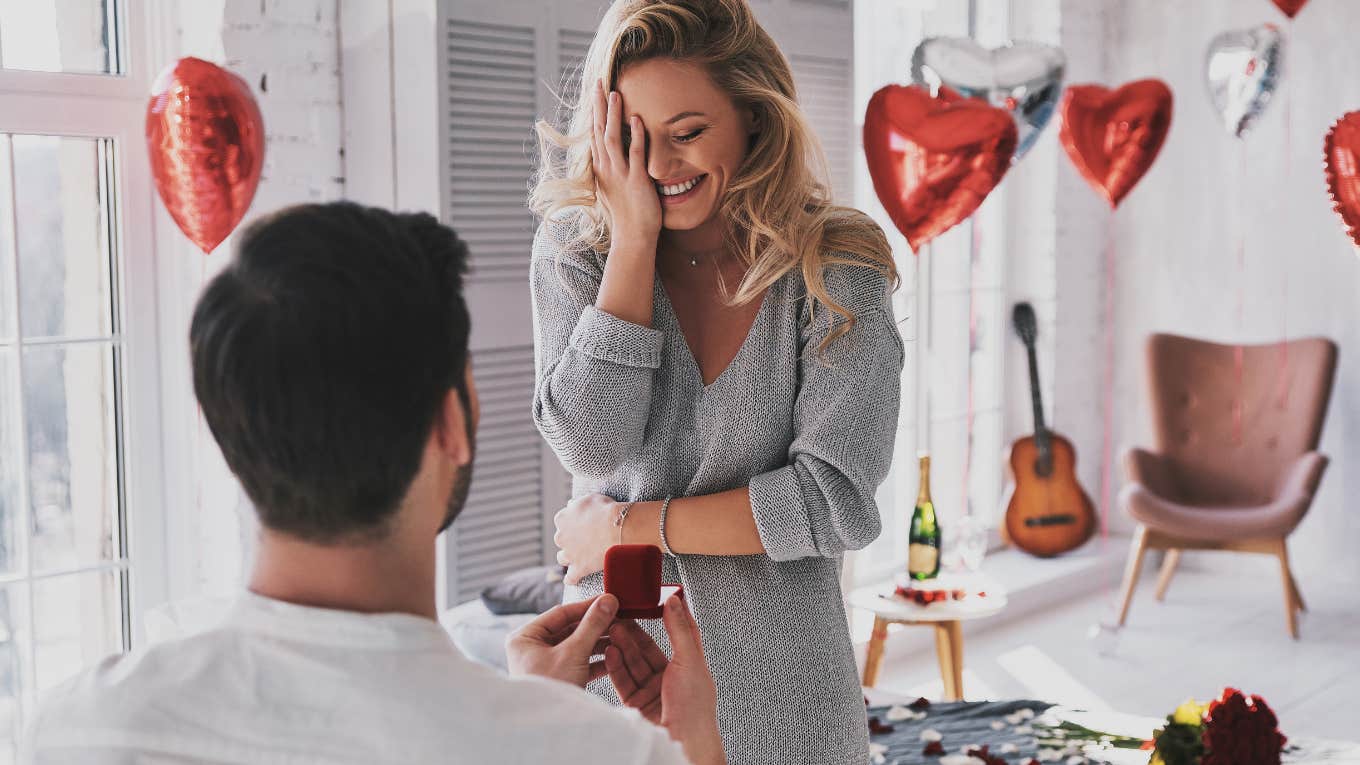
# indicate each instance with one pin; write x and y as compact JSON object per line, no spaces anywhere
{"x":1113,"y":136}
{"x":934,"y":159}
{"x":1291,"y":8}
{"x":1341,"y":164}
{"x":205,"y":137}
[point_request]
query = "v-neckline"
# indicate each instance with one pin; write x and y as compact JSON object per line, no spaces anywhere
{"x":698,"y":371}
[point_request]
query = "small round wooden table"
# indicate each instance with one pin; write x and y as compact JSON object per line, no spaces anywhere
{"x":944,"y":616}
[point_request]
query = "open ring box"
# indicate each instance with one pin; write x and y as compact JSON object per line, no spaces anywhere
{"x":632,"y":573}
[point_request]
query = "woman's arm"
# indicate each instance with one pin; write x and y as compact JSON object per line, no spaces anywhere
{"x":593,"y":369}
{"x":822,"y":502}
{"x":711,"y":524}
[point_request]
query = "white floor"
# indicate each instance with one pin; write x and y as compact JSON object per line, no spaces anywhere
{"x":1216,"y":628}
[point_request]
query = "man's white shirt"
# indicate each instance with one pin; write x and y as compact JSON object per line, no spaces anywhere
{"x":281,"y":683}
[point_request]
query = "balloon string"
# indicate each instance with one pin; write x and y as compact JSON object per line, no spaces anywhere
{"x":1107,"y":437}
{"x":1282,"y":372}
{"x":975,"y":247}
{"x":1241,"y":290}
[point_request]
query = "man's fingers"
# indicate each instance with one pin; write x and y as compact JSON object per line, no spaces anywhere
{"x":600,"y":645}
{"x":628,"y":644}
{"x":559,"y":619}
{"x":650,"y":651}
{"x":595,"y":623}
{"x":686,"y":645}
{"x":597,"y":671}
{"x":618,"y":673}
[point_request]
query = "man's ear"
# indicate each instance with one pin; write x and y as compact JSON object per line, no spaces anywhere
{"x":451,"y":430}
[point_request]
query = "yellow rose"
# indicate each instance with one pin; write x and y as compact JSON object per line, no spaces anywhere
{"x":1189,"y":713}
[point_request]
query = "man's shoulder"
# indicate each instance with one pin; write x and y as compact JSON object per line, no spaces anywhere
{"x":123,"y":693}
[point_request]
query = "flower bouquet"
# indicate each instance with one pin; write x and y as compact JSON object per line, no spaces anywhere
{"x":1231,"y":730}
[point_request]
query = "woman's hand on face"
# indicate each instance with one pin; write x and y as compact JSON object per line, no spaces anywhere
{"x":621,"y":180}
{"x":585,"y":529}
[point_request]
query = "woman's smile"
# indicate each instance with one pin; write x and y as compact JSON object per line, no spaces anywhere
{"x":678,"y":192}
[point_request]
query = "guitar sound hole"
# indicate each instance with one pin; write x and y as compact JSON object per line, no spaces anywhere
{"x":1043,"y":467}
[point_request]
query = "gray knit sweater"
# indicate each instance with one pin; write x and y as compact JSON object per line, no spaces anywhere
{"x":625,"y":409}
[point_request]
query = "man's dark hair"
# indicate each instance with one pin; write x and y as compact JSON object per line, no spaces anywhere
{"x":322,"y":356}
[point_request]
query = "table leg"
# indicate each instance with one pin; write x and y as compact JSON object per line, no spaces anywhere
{"x":949,"y":649}
{"x":873,"y":655}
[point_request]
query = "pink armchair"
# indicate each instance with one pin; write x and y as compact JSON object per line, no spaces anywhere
{"x":1224,"y":477}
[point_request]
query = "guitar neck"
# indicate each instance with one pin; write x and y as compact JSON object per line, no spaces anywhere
{"x":1036,"y":400}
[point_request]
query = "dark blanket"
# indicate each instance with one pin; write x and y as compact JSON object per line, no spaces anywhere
{"x":961,"y":724}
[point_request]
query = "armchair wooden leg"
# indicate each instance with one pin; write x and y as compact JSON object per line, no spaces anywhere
{"x":1132,"y":569}
{"x":1291,"y":606}
{"x":873,"y":655}
{"x":1173,"y":557}
{"x":1298,"y":596}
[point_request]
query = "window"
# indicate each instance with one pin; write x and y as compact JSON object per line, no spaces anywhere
{"x":951,"y":312}
{"x":79,"y":451}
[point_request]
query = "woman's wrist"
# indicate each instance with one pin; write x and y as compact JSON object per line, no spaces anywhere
{"x":633,"y":243}
{"x":642,"y":525}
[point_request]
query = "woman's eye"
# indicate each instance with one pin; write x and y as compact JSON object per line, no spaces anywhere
{"x":687,"y":137}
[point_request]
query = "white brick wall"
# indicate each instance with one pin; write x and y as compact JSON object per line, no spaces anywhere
{"x":1177,"y":233}
{"x":288,"y":51}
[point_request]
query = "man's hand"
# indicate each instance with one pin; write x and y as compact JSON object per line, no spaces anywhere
{"x":678,"y":694}
{"x":559,"y":643}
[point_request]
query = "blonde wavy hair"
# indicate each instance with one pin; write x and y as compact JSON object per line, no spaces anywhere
{"x":778,"y":210}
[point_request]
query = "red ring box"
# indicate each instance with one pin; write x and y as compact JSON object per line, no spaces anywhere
{"x":632,"y":573}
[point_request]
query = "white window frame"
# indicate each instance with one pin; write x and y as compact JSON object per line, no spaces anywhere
{"x":112,"y":107}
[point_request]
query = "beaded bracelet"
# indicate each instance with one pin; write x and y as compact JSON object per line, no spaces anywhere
{"x":665,"y":547}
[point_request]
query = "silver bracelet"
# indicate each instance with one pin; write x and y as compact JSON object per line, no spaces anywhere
{"x":665,"y":547}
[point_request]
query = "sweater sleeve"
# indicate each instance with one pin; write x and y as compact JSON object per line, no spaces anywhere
{"x":593,"y":371}
{"x":845,"y":422}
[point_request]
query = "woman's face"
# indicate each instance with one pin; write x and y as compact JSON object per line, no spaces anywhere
{"x":696,"y":137}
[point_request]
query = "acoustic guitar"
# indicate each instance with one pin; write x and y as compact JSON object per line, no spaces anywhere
{"x":1047,"y":512}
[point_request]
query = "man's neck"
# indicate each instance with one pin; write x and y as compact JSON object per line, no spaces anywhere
{"x":381,"y":577}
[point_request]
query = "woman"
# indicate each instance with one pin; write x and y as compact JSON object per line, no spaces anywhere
{"x":742,"y":430}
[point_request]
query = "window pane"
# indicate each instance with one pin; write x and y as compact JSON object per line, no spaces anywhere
{"x":73,"y":480}
{"x":7,"y":296}
{"x":78,"y":620}
{"x":48,"y":36}
{"x":11,"y":513}
{"x":14,"y":637}
{"x":63,"y":246}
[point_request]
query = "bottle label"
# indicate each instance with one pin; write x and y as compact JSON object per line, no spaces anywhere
{"x":921,"y":558}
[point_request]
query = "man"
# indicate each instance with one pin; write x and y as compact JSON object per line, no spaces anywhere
{"x":330,"y":361}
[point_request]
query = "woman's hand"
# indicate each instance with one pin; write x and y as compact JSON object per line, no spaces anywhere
{"x":621,"y":180}
{"x":585,"y":529}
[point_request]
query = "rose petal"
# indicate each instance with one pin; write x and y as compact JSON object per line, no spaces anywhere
{"x":998,"y":725}
{"x":1009,"y":748}
{"x":930,"y":734}
{"x":1023,"y":730}
{"x":898,"y":713}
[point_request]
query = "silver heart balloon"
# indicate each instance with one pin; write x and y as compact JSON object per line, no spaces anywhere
{"x":1243,"y":68}
{"x":1024,"y":78}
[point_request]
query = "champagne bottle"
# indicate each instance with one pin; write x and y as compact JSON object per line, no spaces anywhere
{"x":923,"y":550}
